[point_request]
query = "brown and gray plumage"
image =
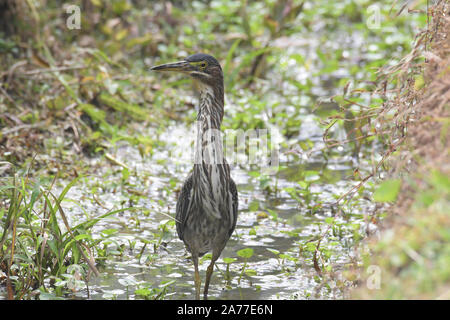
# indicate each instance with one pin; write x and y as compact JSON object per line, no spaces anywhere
{"x":207,"y":206}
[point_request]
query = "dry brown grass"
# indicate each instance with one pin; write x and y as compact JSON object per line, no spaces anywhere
{"x":412,"y":249}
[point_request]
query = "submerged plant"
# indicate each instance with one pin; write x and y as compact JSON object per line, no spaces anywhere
{"x":154,"y":293}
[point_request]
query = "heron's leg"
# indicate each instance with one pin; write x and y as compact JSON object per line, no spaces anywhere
{"x":197,"y":279}
{"x":209,"y":272}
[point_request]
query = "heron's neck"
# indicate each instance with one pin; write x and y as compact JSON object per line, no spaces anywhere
{"x":210,"y":111}
{"x":211,"y":171}
{"x":209,"y":140}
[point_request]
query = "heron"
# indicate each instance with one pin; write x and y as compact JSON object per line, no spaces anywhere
{"x":207,"y":206}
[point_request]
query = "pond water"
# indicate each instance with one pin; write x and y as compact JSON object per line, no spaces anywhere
{"x":140,"y":249}
{"x":284,"y":214}
{"x":144,"y":251}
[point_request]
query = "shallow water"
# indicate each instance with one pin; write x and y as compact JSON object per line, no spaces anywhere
{"x":143,"y":250}
{"x":164,"y":258}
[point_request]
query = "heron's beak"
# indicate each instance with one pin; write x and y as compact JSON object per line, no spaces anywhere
{"x":180,"y":66}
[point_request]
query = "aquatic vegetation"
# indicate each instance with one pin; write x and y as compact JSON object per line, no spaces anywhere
{"x":39,"y":250}
{"x":98,"y":145}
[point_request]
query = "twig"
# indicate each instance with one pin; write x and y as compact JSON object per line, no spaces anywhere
{"x":115,"y":161}
{"x":37,"y":71}
{"x":23,"y":126}
{"x":316,"y":264}
{"x":7,"y":95}
{"x":386,"y":155}
{"x":99,"y":203}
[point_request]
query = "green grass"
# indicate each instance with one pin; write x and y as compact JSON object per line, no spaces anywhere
{"x":39,"y":251}
{"x":413,"y":254}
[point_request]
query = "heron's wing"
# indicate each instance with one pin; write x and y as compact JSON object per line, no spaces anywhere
{"x":234,"y":207}
{"x":184,"y":199}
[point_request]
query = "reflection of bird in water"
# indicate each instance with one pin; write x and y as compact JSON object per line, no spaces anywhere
{"x":208,"y":202}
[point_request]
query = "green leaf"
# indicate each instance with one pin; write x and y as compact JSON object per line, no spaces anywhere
{"x":245,"y":253}
{"x":143,"y":292}
{"x":311,"y":175}
{"x":253,"y":206}
{"x":166,"y":284}
{"x":273,"y":214}
{"x":66,"y":189}
{"x":329,"y":220}
{"x":311,"y":247}
{"x":53,"y":247}
{"x":109,"y":232}
{"x":125,"y":174}
{"x":34,"y":195}
{"x":250,"y":272}
{"x":230,"y":55}
{"x":75,"y":253}
{"x":229,"y":260}
{"x":387,"y":191}
{"x":48,"y":296}
{"x":274,"y":251}
{"x":440,"y":181}
{"x":83,"y":236}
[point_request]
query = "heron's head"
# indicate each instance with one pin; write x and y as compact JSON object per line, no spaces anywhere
{"x":203,"y":68}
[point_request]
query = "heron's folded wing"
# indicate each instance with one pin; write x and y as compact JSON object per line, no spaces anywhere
{"x":235,"y":202}
{"x":184,"y":199}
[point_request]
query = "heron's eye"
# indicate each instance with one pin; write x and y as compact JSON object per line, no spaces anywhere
{"x":203,"y":64}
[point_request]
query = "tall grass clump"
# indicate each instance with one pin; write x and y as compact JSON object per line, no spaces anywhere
{"x":41,"y":255}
